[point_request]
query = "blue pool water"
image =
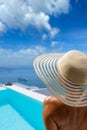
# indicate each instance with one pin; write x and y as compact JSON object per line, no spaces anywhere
{"x":19,"y":112}
{"x":12,"y":120}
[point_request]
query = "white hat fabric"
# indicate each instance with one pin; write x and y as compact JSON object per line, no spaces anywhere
{"x":49,"y":69}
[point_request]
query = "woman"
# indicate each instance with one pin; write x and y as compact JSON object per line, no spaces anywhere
{"x":66,"y":78}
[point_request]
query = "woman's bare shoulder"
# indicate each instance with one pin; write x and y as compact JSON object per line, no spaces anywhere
{"x":52,"y":100}
{"x":51,"y":106}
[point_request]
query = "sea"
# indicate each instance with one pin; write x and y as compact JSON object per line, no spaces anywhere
{"x":22,"y":75}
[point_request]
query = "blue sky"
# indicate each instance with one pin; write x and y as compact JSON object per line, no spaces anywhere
{"x":29,"y":28}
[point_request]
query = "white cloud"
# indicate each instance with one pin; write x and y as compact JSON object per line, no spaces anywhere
{"x":50,"y":6}
{"x":40,"y":21}
{"x":2,"y":28}
{"x":44,"y":36}
{"x":53,"y":32}
{"x":20,"y":14}
{"x":57,"y":46}
{"x":54,"y":43}
{"x":23,"y":57}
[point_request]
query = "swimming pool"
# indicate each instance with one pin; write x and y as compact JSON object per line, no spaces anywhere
{"x":19,"y":112}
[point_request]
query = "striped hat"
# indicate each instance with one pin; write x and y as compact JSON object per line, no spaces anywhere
{"x":65,"y":77}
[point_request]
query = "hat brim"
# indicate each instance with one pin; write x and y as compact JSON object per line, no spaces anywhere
{"x":45,"y":67}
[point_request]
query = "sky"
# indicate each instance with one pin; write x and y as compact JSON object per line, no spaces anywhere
{"x":29,"y":28}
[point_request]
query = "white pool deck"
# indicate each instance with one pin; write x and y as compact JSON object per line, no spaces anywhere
{"x":34,"y":92}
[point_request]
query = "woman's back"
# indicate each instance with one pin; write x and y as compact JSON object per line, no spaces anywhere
{"x":58,"y":116}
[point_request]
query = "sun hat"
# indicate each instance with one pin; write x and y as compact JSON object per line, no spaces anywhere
{"x":65,"y":76}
